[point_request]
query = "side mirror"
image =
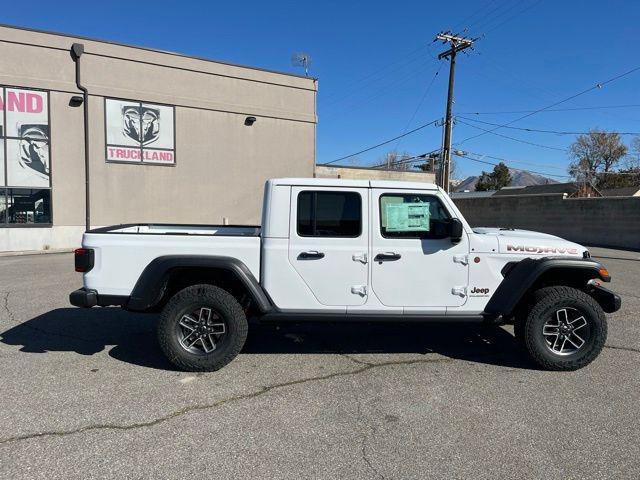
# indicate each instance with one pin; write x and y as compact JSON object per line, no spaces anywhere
{"x":455,"y":230}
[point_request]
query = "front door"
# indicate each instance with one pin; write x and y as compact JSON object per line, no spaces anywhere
{"x":328,"y":242}
{"x":414,"y":263}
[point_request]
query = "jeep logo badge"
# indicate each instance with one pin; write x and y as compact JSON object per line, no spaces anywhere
{"x":479,"y":291}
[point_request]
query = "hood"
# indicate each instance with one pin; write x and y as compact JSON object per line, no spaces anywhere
{"x":526,"y":242}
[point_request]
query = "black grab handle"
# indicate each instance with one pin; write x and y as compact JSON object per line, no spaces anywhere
{"x":387,"y":257}
{"x":311,"y":255}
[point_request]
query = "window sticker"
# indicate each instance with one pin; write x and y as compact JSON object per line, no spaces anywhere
{"x":407,"y":217}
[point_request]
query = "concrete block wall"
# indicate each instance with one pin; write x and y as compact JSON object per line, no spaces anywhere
{"x":610,"y":222}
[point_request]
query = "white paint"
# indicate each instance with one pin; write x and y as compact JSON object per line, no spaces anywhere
{"x":433,"y":276}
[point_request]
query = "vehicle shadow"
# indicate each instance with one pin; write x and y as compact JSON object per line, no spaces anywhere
{"x":131,"y":338}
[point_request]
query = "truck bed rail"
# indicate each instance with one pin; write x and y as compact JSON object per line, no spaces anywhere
{"x":180,"y":229}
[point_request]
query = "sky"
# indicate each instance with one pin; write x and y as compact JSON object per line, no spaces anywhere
{"x":378,"y":72}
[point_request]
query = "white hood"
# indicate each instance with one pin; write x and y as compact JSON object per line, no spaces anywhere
{"x":526,"y":242}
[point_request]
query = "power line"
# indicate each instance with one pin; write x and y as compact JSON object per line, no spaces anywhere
{"x":469,"y":17}
{"x":408,"y":76}
{"x":543,"y":131}
{"x":424,"y":96}
{"x":571,"y":109}
{"x":486,"y":15}
{"x":422,"y":156}
{"x":466,"y":154}
{"x":596,"y":86}
{"x":359,"y":82}
{"x":382,"y":143}
{"x":512,"y":17}
{"x":492,"y":132}
{"x":458,"y":153}
{"x":523,"y":162}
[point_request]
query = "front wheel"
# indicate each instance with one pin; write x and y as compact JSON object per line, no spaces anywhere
{"x":565,"y":329}
{"x":202,"y":328}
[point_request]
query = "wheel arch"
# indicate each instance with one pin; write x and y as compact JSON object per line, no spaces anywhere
{"x":529,"y":275}
{"x":168,"y":274}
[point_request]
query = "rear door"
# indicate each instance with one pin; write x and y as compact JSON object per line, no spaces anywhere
{"x":328,"y":242}
{"x":414,"y":263}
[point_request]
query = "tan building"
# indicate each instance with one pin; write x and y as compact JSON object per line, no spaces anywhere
{"x":172,"y":138}
{"x":360,"y":173}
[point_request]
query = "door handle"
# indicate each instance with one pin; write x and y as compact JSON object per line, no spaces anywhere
{"x":312,"y":255}
{"x":387,"y":257}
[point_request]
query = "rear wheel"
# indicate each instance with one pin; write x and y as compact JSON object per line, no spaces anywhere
{"x":565,"y":329}
{"x":202,"y":328}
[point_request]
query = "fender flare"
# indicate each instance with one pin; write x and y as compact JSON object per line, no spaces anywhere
{"x":153,"y":280}
{"x":519,"y":280}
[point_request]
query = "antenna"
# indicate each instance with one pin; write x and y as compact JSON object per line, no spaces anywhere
{"x":301,"y":59}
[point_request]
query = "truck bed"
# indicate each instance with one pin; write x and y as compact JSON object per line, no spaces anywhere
{"x":122,"y":252}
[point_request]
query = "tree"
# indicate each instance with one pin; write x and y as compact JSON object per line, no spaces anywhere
{"x":500,"y":177}
{"x":394,"y":161}
{"x":595,"y":152}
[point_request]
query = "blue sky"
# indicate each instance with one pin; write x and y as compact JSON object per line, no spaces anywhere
{"x":374,"y":61}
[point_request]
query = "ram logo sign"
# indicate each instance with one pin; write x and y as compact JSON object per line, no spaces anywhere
{"x":542,"y":250}
{"x":139,"y":132}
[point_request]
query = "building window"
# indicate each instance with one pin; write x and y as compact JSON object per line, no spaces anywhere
{"x":329,"y":214}
{"x":25,"y":163}
{"x":413,"y":216}
{"x":139,"y":133}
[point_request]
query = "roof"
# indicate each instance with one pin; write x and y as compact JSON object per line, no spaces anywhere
{"x":567,"y":188}
{"x":473,"y":194}
{"x":335,"y":182}
{"x":620,"y":192}
{"x":155,"y":50}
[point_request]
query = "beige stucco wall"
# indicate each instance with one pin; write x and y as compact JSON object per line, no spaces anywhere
{"x":221,"y":164}
{"x":373,"y":174}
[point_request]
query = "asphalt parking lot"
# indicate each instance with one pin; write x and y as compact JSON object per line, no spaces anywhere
{"x":87,"y":394}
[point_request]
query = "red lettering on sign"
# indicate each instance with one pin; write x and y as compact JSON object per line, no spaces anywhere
{"x":158,"y":156}
{"x":23,"y":102}
{"x":34,"y":103}
{"x":15,"y":101}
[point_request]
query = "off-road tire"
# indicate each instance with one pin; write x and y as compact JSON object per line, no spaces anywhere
{"x":546,"y":302}
{"x":226,"y":307}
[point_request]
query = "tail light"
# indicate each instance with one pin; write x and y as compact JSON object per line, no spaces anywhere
{"x":83,"y":259}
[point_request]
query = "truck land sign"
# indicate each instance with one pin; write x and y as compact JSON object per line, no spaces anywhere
{"x":139,"y":132}
{"x":24,"y":138}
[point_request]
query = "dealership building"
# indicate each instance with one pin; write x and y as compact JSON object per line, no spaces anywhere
{"x":171,"y":138}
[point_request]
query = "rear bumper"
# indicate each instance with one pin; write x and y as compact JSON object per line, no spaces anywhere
{"x":89,"y":298}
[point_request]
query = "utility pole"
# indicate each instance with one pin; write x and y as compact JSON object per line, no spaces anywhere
{"x":457,"y":44}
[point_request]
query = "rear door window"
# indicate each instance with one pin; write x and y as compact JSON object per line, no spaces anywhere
{"x":329,"y":214}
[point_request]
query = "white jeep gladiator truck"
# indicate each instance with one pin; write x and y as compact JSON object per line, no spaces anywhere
{"x":348,"y":250}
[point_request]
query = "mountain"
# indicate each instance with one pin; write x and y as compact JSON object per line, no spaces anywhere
{"x":519,"y":178}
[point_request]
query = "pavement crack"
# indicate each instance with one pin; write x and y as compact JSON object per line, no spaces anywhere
{"x":355,"y":360}
{"x":618,"y":347}
{"x":196,"y":408}
{"x":5,"y":305}
{"x":365,"y":437}
{"x":12,"y":319}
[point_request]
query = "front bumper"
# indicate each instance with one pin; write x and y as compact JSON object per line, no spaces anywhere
{"x":609,"y":301}
{"x":87,"y":298}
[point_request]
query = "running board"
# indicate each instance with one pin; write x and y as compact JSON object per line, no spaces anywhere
{"x":302,"y":317}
